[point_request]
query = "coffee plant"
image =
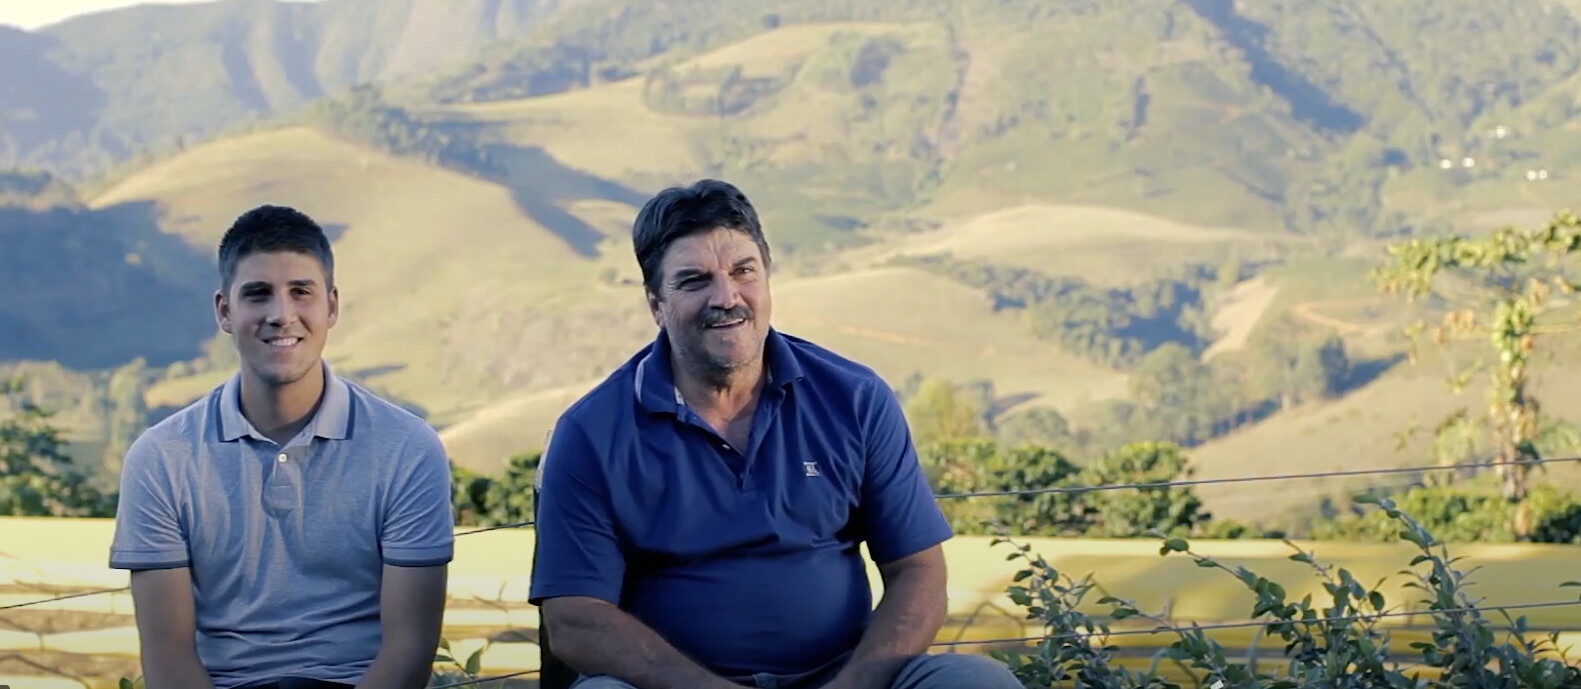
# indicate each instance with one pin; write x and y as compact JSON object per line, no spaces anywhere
{"x":1333,"y":644}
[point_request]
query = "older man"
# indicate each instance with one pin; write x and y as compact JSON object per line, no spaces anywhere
{"x":701,"y":510}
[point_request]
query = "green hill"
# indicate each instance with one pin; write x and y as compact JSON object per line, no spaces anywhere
{"x":1062,"y":202}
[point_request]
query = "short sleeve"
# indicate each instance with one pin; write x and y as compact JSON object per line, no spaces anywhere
{"x":899,"y":515}
{"x":149,"y":533}
{"x":419,"y":516}
{"x":579,"y":552}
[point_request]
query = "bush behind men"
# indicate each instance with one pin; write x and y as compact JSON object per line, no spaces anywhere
{"x":700,"y":515}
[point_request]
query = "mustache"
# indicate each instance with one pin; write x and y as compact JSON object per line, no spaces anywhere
{"x":713,"y":317}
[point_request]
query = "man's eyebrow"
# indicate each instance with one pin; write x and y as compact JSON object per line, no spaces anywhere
{"x":260,"y":284}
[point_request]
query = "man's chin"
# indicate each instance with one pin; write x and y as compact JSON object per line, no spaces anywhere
{"x":276,"y":375}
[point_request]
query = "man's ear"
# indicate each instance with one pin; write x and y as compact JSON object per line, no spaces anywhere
{"x":334,"y":306}
{"x":222,"y":311}
{"x":653,"y":307}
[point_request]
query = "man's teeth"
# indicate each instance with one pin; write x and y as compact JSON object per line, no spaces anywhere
{"x":284,"y":342}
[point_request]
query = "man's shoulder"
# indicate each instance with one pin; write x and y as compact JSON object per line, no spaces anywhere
{"x":603,"y":403}
{"x":181,"y":432}
{"x":824,"y":366}
{"x":370,"y":408}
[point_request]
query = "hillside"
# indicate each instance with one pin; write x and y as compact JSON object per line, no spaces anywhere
{"x":452,"y":290}
{"x":92,"y":92}
{"x":1067,"y":201}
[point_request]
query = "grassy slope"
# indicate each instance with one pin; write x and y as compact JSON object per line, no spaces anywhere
{"x":532,"y":324}
{"x":1104,"y":245}
{"x":442,"y":275}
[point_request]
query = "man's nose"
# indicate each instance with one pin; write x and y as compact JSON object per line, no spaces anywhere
{"x":724,"y":294}
{"x":280,"y":312}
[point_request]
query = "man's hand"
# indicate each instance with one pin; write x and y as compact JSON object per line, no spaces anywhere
{"x":411,"y":611}
{"x":904,"y":625}
{"x":596,"y":638}
{"x":167,"y":629}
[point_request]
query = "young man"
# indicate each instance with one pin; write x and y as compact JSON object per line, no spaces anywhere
{"x":290,"y":529}
{"x":701,"y":510}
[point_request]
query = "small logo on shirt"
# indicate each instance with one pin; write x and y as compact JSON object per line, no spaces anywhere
{"x":812,"y":468}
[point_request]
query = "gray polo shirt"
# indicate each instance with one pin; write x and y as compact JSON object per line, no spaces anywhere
{"x":286,"y":545}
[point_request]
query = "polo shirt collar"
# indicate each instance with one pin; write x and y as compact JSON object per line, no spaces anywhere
{"x":655,"y":380}
{"x":332,"y":420}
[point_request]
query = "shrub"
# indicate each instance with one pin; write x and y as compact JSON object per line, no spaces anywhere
{"x":979,"y":465}
{"x":37,"y":477}
{"x":484,"y":501}
{"x":1338,"y":645}
{"x":1469,"y":513}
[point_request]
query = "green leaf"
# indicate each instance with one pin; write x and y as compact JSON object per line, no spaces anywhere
{"x":475,"y":662}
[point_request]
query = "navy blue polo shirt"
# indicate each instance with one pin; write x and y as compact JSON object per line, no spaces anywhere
{"x":745,"y":559}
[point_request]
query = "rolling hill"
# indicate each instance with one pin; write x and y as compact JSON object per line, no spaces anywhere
{"x":1174,"y":165}
{"x":95,"y":91}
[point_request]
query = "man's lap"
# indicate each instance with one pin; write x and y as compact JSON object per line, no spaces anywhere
{"x":296,"y":683}
{"x":941,"y":671}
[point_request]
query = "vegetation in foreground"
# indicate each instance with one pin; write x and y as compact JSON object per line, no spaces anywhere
{"x":1342,"y":642}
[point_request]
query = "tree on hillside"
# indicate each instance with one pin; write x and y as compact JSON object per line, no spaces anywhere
{"x":37,"y":478}
{"x":1499,"y":287}
{"x":1291,"y":365}
{"x":125,"y":413}
{"x":939,"y":411}
{"x":1035,"y":426}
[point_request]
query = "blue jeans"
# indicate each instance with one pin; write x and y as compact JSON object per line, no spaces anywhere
{"x":942,"y":671}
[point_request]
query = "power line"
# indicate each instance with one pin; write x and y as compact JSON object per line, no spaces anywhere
{"x":1163,"y":628}
{"x":68,"y":596}
{"x":517,"y":525}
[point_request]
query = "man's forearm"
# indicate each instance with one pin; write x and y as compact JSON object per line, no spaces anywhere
{"x":597,"y":638}
{"x":405,"y":667}
{"x":904,"y":625}
{"x":175,"y":670}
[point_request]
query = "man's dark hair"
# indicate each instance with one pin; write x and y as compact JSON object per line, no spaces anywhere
{"x":269,"y":229}
{"x":677,"y":212}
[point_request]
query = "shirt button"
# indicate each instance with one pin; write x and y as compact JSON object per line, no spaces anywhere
{"x":282,"y":458}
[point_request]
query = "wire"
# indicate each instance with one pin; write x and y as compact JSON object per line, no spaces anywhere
{"x":481,"y":680}
{"x":1243,"y":625}
{"x":497,"y":527}
{"x":68,"y":596}
{"x":1246,"y":479}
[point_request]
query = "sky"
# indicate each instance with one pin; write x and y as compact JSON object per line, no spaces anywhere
{"x":32,"y":14}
